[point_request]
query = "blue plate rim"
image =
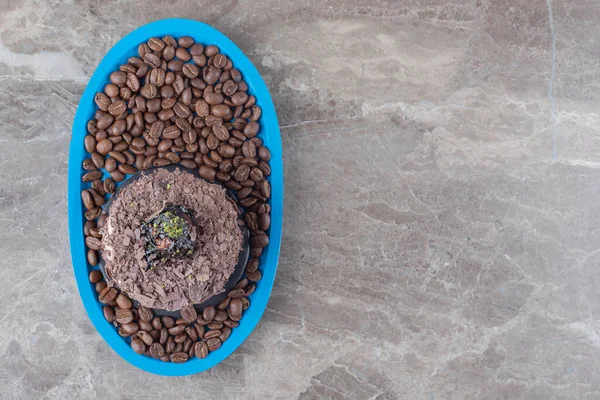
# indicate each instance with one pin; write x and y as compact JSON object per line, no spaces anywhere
{"x":269,"y":133}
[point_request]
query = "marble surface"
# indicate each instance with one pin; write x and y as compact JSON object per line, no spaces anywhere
{"x":441,"y":235}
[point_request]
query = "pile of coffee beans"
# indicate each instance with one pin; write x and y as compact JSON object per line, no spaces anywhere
{"x":179,"y":102}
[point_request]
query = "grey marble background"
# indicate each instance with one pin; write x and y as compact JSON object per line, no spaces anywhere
{"x":441,"y":236}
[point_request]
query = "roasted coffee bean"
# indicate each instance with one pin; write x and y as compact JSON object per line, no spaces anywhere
{"x":117,"y":78}
{"x":104,"y":146}
{"x":121,"y":146}
{"x":176,"y":330}
{"x":223,"y":177}
{"x":250,"y":289}
{"x":95,"y":232}
{"x":223,"y":303}
{"x":179,"y":357}
{"x":111,"y":164}
{"x":231,"y":324}
{"x":255,"y":113}
{"x":107,"y":295}
{"x":215,"y":325}
{"x":199,"y":329}
{"x":254,"y":276}
{"x":251,"y":129}
{"x":138,"y":345}
{"x":170,"y":345}
{"x":117,"y":156}
{"x":235,"y":293}
{"x":131,"y":328}
{"x":243,"y":87}
{"x":225,"y":333}
{"x":145,"y":314}
{"x":167,"y":322}
{"x":88,"y":226}
{"x":239,"y":98}
{"x":145,"y":337}
{"x":245,"y":303}
{"x":233,"y":185}
{"x":242,"y":194}
{"x":124,"y":315}
{"x":212,"y":334}
{"x":235,"y":308}
{"x":208,"y":314}
{"x":213,"y":344}
{"x":213,"y":98}
{"x":256,"y":252}
{"x":251,"y":162}
{"x":109,"y":185}
{"x":117,"y":108}
{"x":220,"y":316}
{"x":265,"y":188}
{"x":191,"y":333}
{"x":92,"y":214}
{"x":188,"y":163}
{"x":221,"y":111}
{"x":252,"y":265}
{"x":88,"y":201}
{"x":95,"y":276}
{"x":109,"y":313}
{"x":93,"y":243}
{"x":117,"y":176}
{"x":90,"y":143}
{"x":92,"y":257}
{"x":256,"y":174}
{"x":146,"y":326}
{"x":180,"y":338}
{"x":98,"y":160}
{"x":111,"y":90}
{"x":127,"y":169}
{"x":122,"y":332}
{"x":229,"y":87}
{"x":189,"y":313}
{"x":207,"y":173}
{"x":100,"y":286}
{"x":264,"y":221}
{"x":157,"y":350}
{"x":249,"y":149}
{"x":164,"y":335}
{"x":91,"y":175}
{"x":201,"y":349}
{"x":156,"y":323}
{"x":220,"y":60}
{"x":242,"y":173}
{"x":123,"y":301}
{"x":264,"y":154}
{"x":149,"y":161}
{"x":226,"y":151}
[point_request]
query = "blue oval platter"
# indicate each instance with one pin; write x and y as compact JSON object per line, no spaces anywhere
{"x":269,"y":133}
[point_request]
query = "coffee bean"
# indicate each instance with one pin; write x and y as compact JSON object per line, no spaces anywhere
{"x":95,"y":276}
{"x":223,"y":304}
{"x":212,"y":334}
{"x":254,"y":276}
{"x":245,"y":303}
{"x":146,"y":314}
{"x":138,"y":345}
{"x":176,"y":330}
{"x":239,"y":98}
{"x":180,"y":338}
{"x":256,"y":174}
{"x":189,"y":313}
{"x":109,"y":313}
{"x":145,"y":337}
{"x":265,"y":188}
{"x":264,"y":221}
{"x":131,"y":328}
{"x":201,"y":349}
{"x":149,"y":161}
{"x":124,"y":315}
{"x":91,"y":175}
{"x":225,"y":333}
{"x":235,"y":293}
{"x":231,"y":324}
{"x":146,"y":326}
{"x":221,"y":111}
{"x":170,"y":345}
{"x":88,"y":226}
{"x":109,"y":185}
{"x":107,"y":295}
{"x":111,"y":164}
{"x":215,"y":325}
{"x":104,"y":146}
{"x":127,"y":169}
{"x":93,"y":243}
{"x":117,"y":108}
{"x":88,"y":201}
{"x":207,"y":173}
{"x":213,"y":98}
{"x":157,"y":350}
{"x":123,"y":301}
{"x":117,"y":176}
{"x":95,"y":232}
{"x":92,"y":257}
{"x":98,"y":160}
{"x":220,"y":60}
{"x":235,"y":308}
{"x":92,"y":214}
{"x":164,"y":335}
{"x":213,"y":343}
{"x":252,"y":265}
{"x":242,"y":173}
{"x":100,"y":286}
{"x":179,"y":357}
{"x":220,"y":316}
{"x":168,"y":322}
